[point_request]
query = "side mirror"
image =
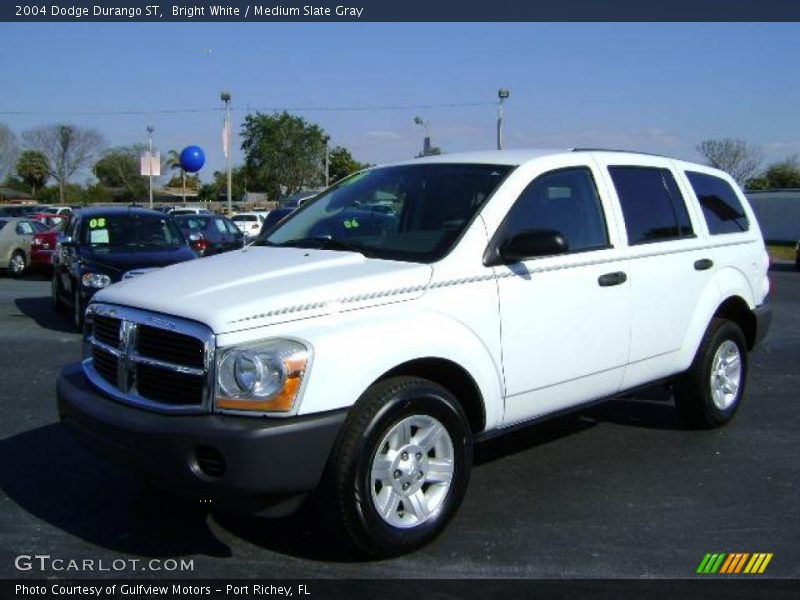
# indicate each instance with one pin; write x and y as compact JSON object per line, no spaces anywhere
{"x":531,"y":243}
{"x":67,"y":241}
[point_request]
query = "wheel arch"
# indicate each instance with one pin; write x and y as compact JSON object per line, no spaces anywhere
{"x":451,"y":376}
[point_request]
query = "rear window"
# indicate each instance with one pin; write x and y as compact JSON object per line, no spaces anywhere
{"x":129,"y":230}
{"x":652,"y":205}
{"x":722,"y":208}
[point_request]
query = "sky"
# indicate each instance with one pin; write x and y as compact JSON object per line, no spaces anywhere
{"x":653,"y":87}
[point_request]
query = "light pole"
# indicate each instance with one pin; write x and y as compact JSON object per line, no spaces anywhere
{"x":150,"y":130}
{"x":426,"y":141}
{"x":226,"y":143}
{"x":502,"y":93}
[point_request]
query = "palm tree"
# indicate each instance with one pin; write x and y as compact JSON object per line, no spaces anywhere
{"x":174,"y":164}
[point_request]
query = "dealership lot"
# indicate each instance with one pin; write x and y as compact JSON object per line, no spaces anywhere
{"x":619,"y":490}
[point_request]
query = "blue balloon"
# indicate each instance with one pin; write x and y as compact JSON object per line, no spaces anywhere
{"x":192,"y":159}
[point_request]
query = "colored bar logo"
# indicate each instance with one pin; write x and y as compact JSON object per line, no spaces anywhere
{"x":734,"y":563}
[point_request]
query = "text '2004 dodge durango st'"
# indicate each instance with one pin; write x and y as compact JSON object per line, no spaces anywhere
{"x":361,"y":345}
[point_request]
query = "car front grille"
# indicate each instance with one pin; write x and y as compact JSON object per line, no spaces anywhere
{"x":144,"y":359}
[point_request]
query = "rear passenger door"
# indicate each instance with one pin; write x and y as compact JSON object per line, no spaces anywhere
{"x":669,"y":265}
{"x":565,"y":318}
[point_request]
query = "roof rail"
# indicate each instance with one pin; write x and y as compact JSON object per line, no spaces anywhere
{"x":620,"y":151}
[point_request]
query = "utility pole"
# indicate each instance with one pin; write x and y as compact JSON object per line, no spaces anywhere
{"x":502,"y":94}
{"x":226,"y":143}
{"x":150,"y":130}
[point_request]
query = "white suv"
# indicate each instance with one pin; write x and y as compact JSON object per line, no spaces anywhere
{"x":364,"y":350}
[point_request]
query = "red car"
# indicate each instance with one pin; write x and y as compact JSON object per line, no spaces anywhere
{"x":43,"y":245}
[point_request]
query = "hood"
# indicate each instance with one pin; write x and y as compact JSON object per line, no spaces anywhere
{"x":117,"y":262}
{"x":262,"y":286}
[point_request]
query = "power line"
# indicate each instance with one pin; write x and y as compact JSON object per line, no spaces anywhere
{"x":248,"y":110}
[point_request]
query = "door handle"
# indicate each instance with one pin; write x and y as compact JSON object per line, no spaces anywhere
{"x":610,"y":279}
{"x":703,"y":264}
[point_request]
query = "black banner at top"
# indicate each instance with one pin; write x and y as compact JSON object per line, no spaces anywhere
{"x":405,"y":10}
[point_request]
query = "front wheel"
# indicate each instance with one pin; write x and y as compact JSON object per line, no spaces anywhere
{"x":401,"y":466}
{"x":711,"y":390}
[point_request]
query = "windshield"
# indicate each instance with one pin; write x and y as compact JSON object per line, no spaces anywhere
{"x":129,"y":230}
{"x":409,"y":212}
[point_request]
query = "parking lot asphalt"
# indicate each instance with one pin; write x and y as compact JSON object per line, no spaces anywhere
{"x":617,"y":490}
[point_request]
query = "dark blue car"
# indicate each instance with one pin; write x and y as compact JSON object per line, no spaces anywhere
{"x":104,"y":245}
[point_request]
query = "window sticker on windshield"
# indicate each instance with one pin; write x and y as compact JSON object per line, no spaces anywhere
{"x":98,"y":236}
{"x":350,"y":224}
{"x":98,"y":224}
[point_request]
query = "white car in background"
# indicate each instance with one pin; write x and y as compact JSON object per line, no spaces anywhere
{"x":249,"y":224}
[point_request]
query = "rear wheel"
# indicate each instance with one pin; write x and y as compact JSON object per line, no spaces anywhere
{"x":401,"y":466}
{"x":711,"y":390}
{"x":17,"y":263}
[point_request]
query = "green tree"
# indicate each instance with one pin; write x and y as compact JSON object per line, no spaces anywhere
{"x":192,"y":181}
{"x":784,"y":174}
{"x":67,"y":148}
{"x":70,"y":193}
{"x":120,"y":168}
{"x":32,"y":167}
{"x":283,"y":153}
{"x":214,"y":191}
{"x":341,"y":164}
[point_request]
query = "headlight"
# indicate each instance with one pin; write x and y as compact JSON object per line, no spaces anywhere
{"x":264,"y":377}
{"x":95,"y":280}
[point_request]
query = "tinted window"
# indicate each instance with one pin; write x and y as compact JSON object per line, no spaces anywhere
{"x":652,"y":205}
{"x":565,"y":201}
{"x":2,"y":224}
{"x":722,"y":209}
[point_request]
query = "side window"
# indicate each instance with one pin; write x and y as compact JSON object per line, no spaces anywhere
{"x":566,"y":201}
{"x":220,"y":225}
{"x":722,"y":208}
{"x":24,"y":228}
{"x":652,"y":205}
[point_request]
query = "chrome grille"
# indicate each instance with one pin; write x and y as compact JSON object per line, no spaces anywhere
{"x":141,"y":358}
{"x":105,"y":364}
{"x":169,"y":346}
{"x":106,"y":330}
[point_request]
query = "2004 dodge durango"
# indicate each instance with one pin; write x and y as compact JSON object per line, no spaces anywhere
{"x":364,"y":343}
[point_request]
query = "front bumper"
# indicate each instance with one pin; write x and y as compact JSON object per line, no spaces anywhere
{"x":259,"y":464}
{"x":763,"y":316}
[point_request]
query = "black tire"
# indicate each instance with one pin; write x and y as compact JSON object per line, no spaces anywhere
{"x":349,"y":483}
{"x":17,"y":263}
{"x":694,"y":393}
{"x":55,"y":295}
{"x":78,"y":310}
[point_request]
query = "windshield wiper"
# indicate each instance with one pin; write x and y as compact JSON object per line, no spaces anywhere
{"x":326,"y":243}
